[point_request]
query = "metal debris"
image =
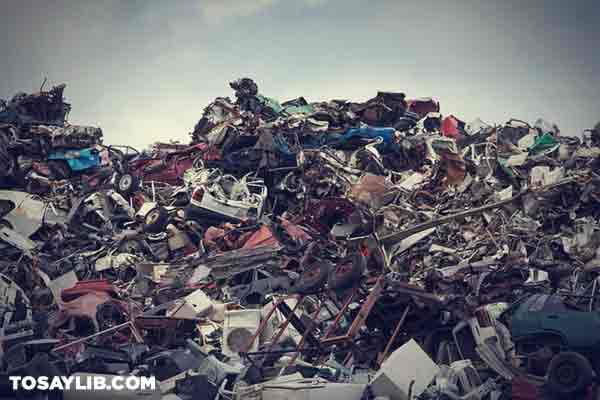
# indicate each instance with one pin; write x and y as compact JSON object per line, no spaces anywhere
{"x":345,"y":249}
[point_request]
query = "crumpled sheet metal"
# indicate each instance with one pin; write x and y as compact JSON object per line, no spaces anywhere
{"x":389,"y":221}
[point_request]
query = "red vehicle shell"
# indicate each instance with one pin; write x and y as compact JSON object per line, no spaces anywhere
{"x":167,"y":168}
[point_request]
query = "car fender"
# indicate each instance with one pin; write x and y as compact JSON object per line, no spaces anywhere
{"x":536,"y":337}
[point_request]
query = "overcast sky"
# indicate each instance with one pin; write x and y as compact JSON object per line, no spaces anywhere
{"x":144,"y":70}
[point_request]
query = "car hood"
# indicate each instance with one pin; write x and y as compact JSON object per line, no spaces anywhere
{"x":25,"y":213}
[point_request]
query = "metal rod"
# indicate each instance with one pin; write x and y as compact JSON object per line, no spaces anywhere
{"x":395,"y":237}
{"x":383,"y":355}
{"x":262,"y":325}
{"x":283,"y":326}
{"x":113,"y":329}
{"x":337,"y":319}
{"x":306,"y":332}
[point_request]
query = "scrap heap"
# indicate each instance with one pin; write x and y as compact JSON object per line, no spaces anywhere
{"x":338,"y":248}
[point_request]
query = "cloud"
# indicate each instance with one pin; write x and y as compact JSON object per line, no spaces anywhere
{"x":218,"y":10}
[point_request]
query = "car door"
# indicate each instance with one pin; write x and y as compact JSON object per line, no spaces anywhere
{"x":160,"y":170}
{"x":577,"y":328}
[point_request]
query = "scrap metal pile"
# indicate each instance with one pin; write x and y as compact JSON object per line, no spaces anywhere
{"x":356,"y":250}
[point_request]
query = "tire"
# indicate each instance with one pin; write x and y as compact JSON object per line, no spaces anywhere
{"x":313,"y":278}
{"x":127,"y":184}
{"x":347,"y":274}
{"x":569,"y":373}
{"x":156,"y":220}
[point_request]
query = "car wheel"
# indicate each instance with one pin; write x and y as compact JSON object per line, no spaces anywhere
{"x":569,"y":373}
{"x":156,"y":220}
{"x":348,"y":273}
{"x":127,"y":184}
{"x":313,"y":278}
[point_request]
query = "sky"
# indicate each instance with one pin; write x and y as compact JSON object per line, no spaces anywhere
{"x":143,"y":70}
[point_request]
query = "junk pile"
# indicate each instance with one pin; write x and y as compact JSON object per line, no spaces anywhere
{"x":303,"y":250}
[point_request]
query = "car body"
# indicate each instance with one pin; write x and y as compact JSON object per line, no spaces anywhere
{"x":205,"y":205}
{"x":78,"y":159}
{"x":44,"y":107}
{"x":25,"y":214}
{"x":546,"y":320}
{"x":164,"y":167}
{"x":251,"y":287}
{"x":63,"y":149}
